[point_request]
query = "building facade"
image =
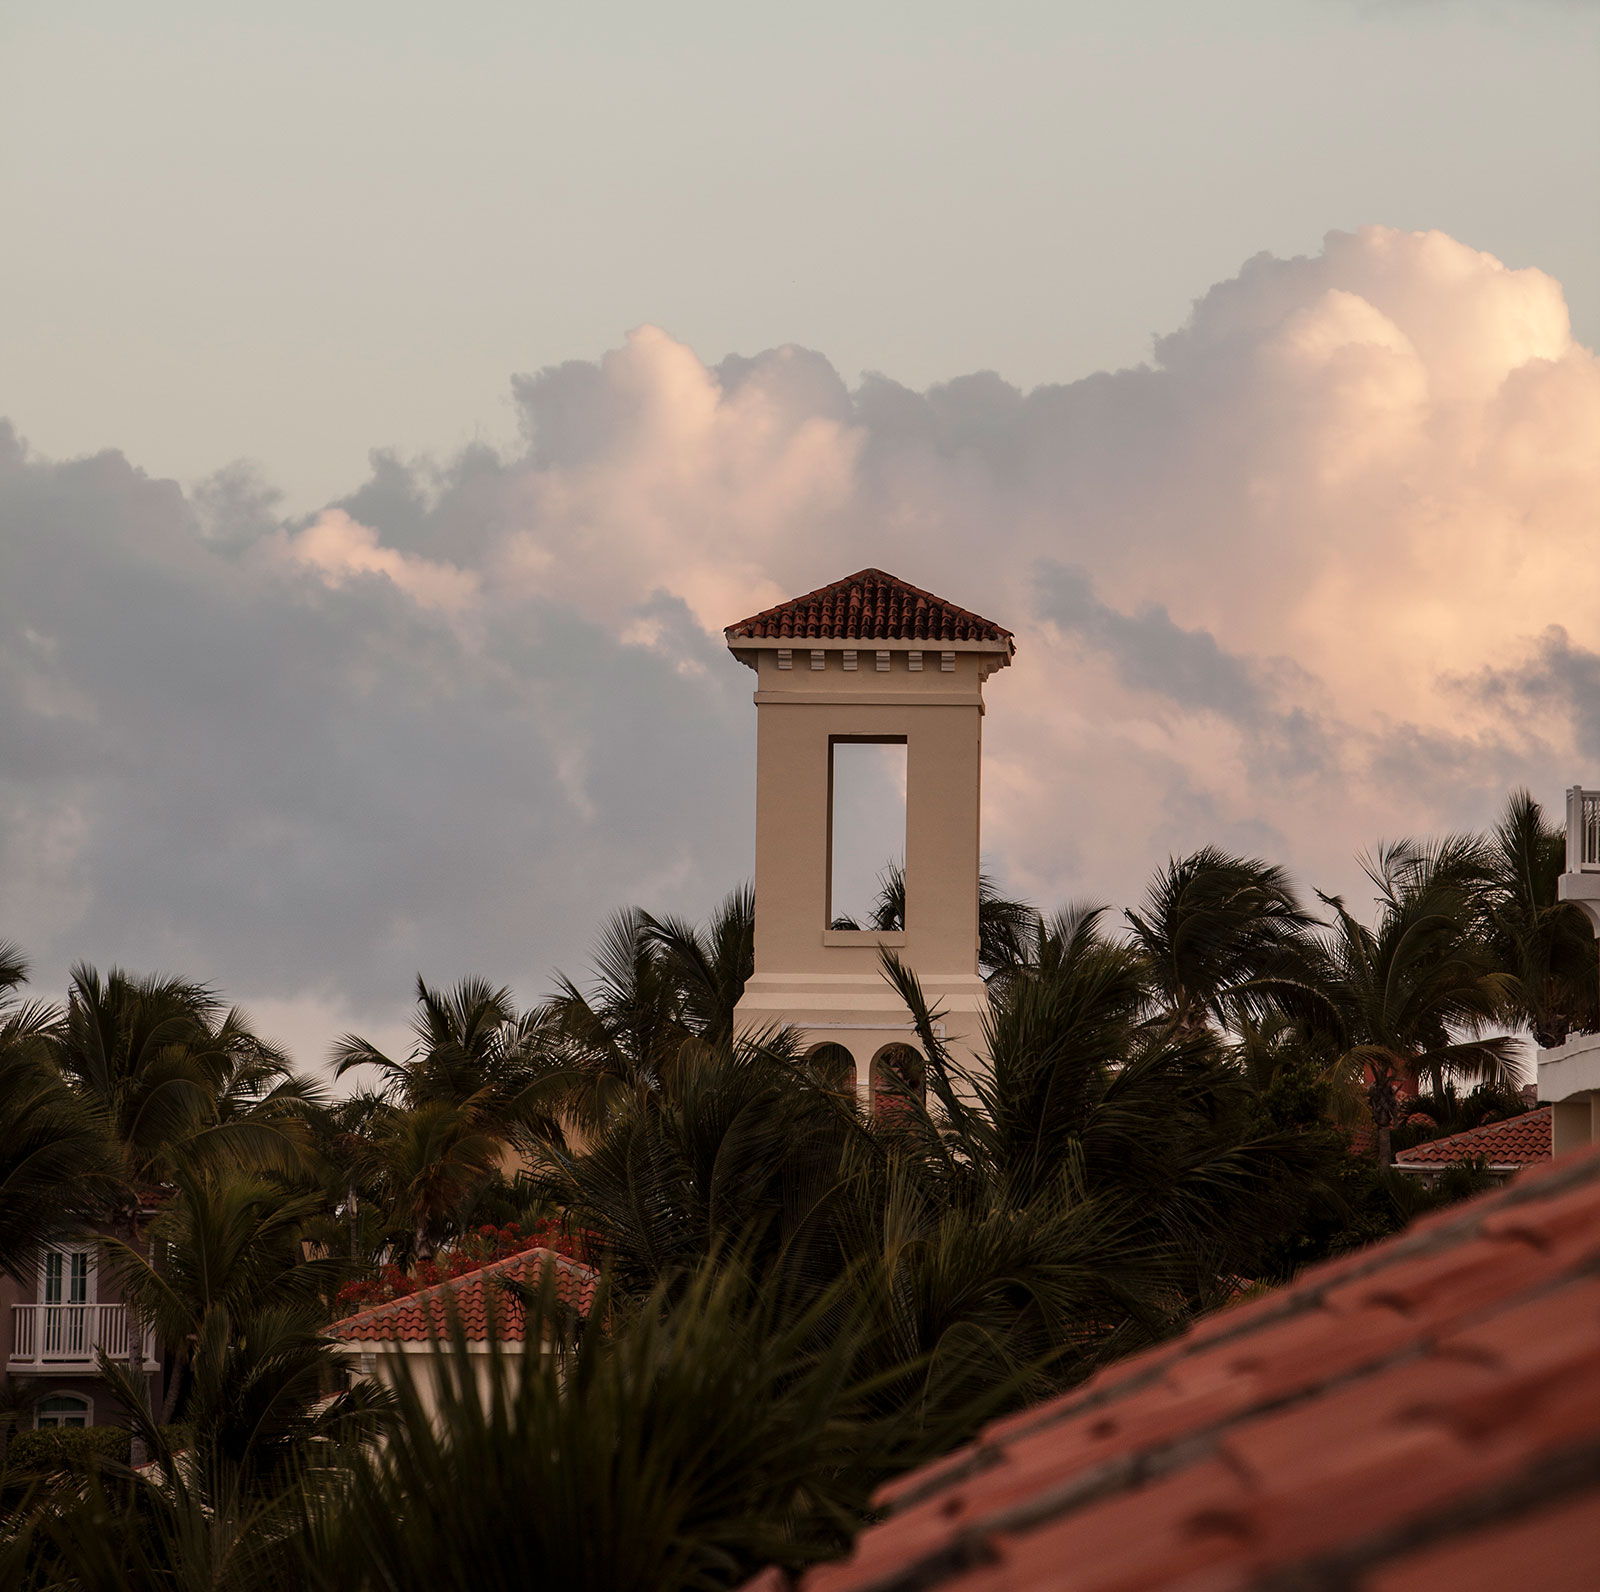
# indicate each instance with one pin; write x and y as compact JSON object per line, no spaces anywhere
{"x":56,"y":1319}
{"x":1569,"y":1074}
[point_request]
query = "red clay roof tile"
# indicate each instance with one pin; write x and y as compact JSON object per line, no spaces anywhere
{"x":1519,"y":1141}
{"x":469,"y":1298}
{"x":1533,"y":1552}
{"x":1358,"y":1429}
{"x":868,"y":606}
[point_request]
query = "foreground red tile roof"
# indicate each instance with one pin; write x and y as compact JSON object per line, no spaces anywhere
{"x":471,"y":1296}
{"x":1517,"y":1142}
{"x":1422,"y":1416}
{"x":868,"y":606}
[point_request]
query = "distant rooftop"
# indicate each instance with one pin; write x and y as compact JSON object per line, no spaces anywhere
{"x":469,"y":1297}
{"x":1421,"y":1416}
{"x":1506,"y":1146}
{"x":869,"y":606}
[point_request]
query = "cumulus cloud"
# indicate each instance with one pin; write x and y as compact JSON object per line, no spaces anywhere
{"x":1290,"y":587}
{"x":337,"y":548}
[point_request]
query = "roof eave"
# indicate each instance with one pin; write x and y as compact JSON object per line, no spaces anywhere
{"x":737,"y":643}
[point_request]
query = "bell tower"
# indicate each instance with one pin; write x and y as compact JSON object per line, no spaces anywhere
{"x":866,"y":659}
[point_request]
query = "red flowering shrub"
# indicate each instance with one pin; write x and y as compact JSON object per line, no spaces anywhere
{"x":482,"y":1248}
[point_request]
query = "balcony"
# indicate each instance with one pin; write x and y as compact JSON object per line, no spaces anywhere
{"x":1580,"y":883}
{"x":68,"y":1337}
{"x":1583,"y":830}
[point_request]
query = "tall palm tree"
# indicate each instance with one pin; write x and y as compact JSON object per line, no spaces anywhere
{"x":625,"y":1033}
{"x":1545,"y":943}
{"x":470,"y":1045}
{"x":1083,"y":1098}
{"x":229,"y":1244}
{"x":1217,"y":932}
{"x":709,"y":967}
{"x":479,"y":1081}
{"x":425,"y":1165}
{"x":58,"y":1166}
{"x":182,"y":1079}
{"x":1411,"y":996}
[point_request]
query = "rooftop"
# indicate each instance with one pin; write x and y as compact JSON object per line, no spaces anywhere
{"x":1516,"y":1142}
{"x":415,"y":1318}
{"x":1422,"y":1416}
{"x":869,"y":606}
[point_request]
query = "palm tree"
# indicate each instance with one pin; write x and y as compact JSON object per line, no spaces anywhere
{"x":479,"y":1082}
{"x":1545,"y":943}
{"x":1219,"y":932}
{"x":470,"y":1045}
{"x":426,"y":1164}
{"x":228,"y":1244}
{"x":181,"y":1079}
{"x":57,"y":1162}
{"x":1005,"y":927}
{"x":1084,"y":1099}
{"x":625,"y":1033}
{"x":709,"y":967}
{"x":1410,"y":996}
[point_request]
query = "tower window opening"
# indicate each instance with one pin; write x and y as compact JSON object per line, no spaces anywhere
{"x":866,"y":829}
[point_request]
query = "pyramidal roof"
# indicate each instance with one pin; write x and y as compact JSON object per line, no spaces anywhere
{"x":870,"y":605}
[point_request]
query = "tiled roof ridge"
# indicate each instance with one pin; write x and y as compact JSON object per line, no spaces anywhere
{"x":1548,"y":1480}
{"x":1485,"y":1137}
{"x":932,"y":618}
{"x":424,"y":1298}
{"x":1167,"y":1462}
{"x":1434,"y":1235}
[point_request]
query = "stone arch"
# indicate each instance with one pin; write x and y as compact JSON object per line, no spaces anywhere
{"x":899,"y":1071}
{"x":832,"y":1065}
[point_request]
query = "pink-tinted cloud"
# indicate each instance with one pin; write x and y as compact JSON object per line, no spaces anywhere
{"x":1324,"y":571}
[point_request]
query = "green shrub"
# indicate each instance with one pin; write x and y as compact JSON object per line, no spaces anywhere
{"x":68,"y":1447}
{"x":1462,"y":1179}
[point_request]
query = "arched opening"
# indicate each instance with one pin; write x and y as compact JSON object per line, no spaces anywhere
{"x":834,"y":1068}
{"x":62,"y":1409}
{"x":899,"y":1074}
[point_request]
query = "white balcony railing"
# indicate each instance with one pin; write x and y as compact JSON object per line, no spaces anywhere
{"x":1583,"y":830}
{"x":61,"y":1335}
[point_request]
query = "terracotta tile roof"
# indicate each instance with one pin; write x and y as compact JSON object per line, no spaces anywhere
{"x":868,"y":606}
{"x":1422,"y":1416}
{"x":1519,"y":1141}
{"x":409,"y":1320}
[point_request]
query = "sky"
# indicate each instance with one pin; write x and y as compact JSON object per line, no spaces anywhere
{"x":401,"y":399}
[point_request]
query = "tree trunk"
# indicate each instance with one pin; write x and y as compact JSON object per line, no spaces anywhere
{"x":137,"y":1454}
{"x":169,"y":1405}
{"x":136,"y":1449}
{"x":1383,"y":1100}
{"x":355,"y":1222}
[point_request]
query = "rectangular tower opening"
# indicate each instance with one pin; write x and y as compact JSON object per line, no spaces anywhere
{"x":866,"y":832}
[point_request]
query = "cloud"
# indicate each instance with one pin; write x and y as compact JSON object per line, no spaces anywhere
{"x":337,"y":548}
{"x":1289,"y":587}
{"x":1150,"y":652}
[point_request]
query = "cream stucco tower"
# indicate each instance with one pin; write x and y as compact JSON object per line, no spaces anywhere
{"x":868,"y":658}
